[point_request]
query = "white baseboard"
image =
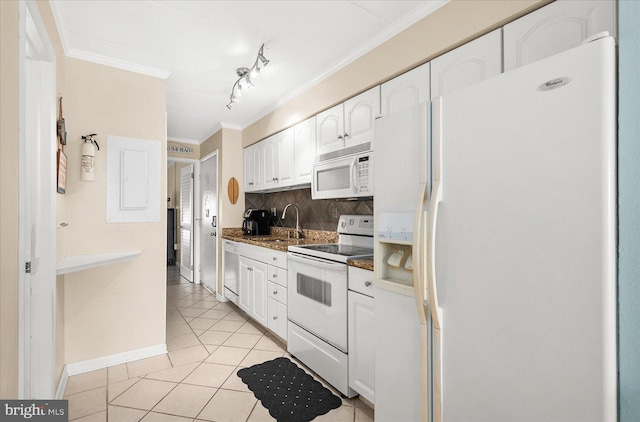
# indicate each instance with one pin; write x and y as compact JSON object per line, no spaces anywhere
{"x":221,"y":298}
{"x":116,"y":359}
{"x":62,"y":384}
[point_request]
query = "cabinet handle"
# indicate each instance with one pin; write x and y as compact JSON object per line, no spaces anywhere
{"x":275,"y":317}
{"x":367,"y":283}
{"x":275,"y":276}
{"x":275,"y":292}
{"x":250,"y":183}
{"x":276,"y":179}
{"x":346,"y":135}
{"x":249,"y":269}
{"x":274,"y":258}
{"x":339,"y":136}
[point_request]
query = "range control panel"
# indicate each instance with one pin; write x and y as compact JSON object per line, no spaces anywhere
{"x":356,"y":224}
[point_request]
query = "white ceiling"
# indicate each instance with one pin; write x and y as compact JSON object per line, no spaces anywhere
{"x":199,"y":44}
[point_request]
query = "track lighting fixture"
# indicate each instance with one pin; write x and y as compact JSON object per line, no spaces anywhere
{"x":246,"y":76}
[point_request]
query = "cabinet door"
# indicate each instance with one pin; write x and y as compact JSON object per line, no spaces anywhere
{"x":260,"y":292}
{"x":554,"y":28}
{"x":245,"y":291}
{"x":248,"y":170}
{"x":286,"y":158}
{"x":270,"y":162}
{"x":330,"y":131}
{"x":473,"y":62}
{"x":305,"y":150}
{"x":407,"y":90}
{"x":361,"y":345}
{"x":258,"y":166}
{"x":277,"y":318}
{"x":359,"y":114}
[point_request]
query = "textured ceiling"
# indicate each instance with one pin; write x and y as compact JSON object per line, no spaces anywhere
{"x":199,"y":44}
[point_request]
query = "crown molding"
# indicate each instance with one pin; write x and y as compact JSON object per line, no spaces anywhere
{"x":119,"y":64}
{"x":183,"y":140}
{"x":63,"y":31}
{"x":383,"y":36}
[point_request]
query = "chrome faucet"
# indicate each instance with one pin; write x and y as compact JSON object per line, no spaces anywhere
{"x":298,"y":229}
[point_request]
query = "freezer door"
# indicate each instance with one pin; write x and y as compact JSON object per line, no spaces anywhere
{"x":525,"y":251}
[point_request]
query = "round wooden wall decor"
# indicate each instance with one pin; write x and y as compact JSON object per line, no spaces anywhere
{"x":232,"y":190}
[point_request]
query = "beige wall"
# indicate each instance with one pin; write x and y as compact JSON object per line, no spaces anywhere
{"x":228,"y":143}
{"x":195,"y":154}
{"x":9,"y":199}
{"x":116,"y":308}
{"x":448,"y":27}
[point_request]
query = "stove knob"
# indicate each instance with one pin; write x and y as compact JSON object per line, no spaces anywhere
{"x":343,"y":224}
{"x":351,"y":221}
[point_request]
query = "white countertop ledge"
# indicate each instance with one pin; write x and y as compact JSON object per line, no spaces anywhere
{"x":71,"y":264}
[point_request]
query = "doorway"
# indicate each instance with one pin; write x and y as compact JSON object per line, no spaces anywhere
{"x":37,"y":207}
{"x":208,"y":266}
{"x":182,"y":206}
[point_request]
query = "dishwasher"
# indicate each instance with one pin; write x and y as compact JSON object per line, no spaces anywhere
{"x":231,"y":271}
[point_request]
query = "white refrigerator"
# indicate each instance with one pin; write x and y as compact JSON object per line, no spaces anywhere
{"x":512,"y":247}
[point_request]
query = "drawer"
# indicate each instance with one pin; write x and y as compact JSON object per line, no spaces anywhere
{"x":278,"y":259}
{"x":361,"y":281}
{"x":277,"y":275}
{"x":277,"y":318}
{"x":277,"y":292}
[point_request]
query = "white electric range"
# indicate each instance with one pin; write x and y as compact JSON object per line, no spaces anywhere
{"x":317,"y":299}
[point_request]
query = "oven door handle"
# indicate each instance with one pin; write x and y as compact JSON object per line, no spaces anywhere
{"x":337,"y":266}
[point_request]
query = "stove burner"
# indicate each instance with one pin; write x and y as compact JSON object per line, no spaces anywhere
{"x":338,"y":249}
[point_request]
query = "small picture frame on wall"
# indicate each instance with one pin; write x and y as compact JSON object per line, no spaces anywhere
{"x":62,"y":172}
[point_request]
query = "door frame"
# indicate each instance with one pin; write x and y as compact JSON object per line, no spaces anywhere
{"x":195,"y":243}
{"x":36,"y":350}
{"x":218,"y":237}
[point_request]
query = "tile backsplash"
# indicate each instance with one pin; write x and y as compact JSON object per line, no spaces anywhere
{"x":319,"y":214}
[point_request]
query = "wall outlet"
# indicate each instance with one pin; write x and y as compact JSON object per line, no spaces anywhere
{"x":335,"y":212}
{"x":274,"y":211}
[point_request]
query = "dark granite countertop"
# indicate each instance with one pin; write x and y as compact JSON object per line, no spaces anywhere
{"x":364,"y":263}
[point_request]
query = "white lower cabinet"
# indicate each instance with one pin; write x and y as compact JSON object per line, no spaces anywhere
{"x":262,"y":288}
{"x":361,"y":333}
{"x":253,"y":289}
{"x":277,"y":319}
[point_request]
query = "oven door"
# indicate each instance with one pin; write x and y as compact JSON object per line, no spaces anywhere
{"x":346,"y":177}
{"x":317,"y":297}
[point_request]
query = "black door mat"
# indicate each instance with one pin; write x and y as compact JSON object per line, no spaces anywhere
{"x":287,"y":391}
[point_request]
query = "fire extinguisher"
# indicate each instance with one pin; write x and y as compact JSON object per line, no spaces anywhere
{"x":88,"y":157}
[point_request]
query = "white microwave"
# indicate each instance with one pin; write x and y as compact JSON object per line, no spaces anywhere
{"x":345,"y":177}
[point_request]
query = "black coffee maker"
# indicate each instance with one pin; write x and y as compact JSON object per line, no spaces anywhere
{"x":256,"y":223}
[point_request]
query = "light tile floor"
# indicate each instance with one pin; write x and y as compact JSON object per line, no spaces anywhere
{"x":207,"y":342}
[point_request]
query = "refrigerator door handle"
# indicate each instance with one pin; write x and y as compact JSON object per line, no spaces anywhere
{"x":436,"y":311}
{"x":419,"y":280}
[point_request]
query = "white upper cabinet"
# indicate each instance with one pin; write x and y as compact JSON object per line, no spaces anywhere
{"x":330,"y":130}
{"x":270,"y":159}
{"x":305,"y":150}
{"x":285,"y":156}
{"x":556,"y":27}
{"x":407,"y":90}
{"x":253,"y":168}
{"x":359,"y":114}
{"x":348,"y":124}
{"x":470,"y":63}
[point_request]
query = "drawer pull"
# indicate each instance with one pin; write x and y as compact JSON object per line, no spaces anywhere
{"x":275,"y":276}
{"x":274,"y":258}
{"x":367,"y":283}
{"x":275,"y":292}
{"x":275,"y":317}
